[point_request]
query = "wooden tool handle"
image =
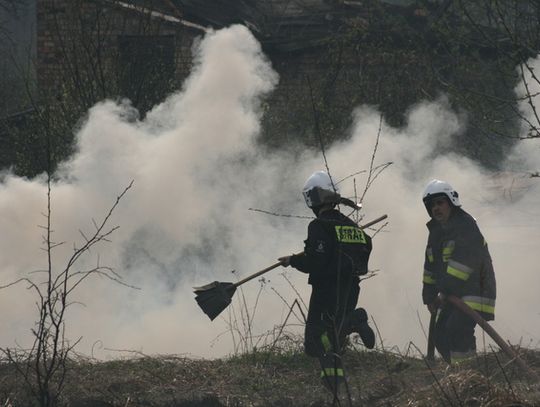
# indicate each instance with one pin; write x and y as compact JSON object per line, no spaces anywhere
{"x":273,"y":266}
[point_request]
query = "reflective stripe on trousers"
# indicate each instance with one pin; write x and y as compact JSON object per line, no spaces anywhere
{"x":457,"y":357}
{"x":331,"y":372}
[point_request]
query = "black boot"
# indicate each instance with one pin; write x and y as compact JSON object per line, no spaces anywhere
{"x":358,"y":322}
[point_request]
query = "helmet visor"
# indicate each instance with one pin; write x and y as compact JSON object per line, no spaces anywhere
{"x":317,"y":197}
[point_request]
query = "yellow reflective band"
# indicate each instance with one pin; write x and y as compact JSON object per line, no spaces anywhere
{"x":327,"y":345}
{"x":458,"y":357}
{"x":454,"y":359}
{"x":429,"y":280}
{"x":429,"y":254}
{"x":331,"y":372}
{"x":459,"y":266}
{"x":447,"y":250}
{"x":449,"y":245}
{"x":457,"y":273}
{"x":350,"y":234}
{"x":488,"y":309}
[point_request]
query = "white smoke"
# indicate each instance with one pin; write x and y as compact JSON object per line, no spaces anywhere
{"x":185,"y":222}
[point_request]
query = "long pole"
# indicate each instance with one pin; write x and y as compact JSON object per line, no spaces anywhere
{"x":458,"y":303}
{"x":431,"y":334}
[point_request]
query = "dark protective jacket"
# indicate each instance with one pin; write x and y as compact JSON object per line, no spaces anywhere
{"x":457,"y":262}
{"x":336,"y":249}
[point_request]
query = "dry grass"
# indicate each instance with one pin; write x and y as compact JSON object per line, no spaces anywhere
{"x":287,"y":378}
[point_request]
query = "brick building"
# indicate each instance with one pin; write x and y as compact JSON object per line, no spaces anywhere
{"x":98,"y":49}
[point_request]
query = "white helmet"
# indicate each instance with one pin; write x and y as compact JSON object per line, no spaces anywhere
{"x":440,"y":188}
{"x":319,"y":190}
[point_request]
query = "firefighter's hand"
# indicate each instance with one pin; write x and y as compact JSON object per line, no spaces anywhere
{"x":432,"y":307}
{"x":436,"y":304}
{"x":285,"y":261}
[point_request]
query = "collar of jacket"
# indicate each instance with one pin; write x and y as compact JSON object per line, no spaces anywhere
{"x":456,"y":214}
{"x":329,"y":214}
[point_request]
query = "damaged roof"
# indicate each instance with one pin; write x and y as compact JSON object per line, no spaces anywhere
{"x":285,"y":25}
{"x":280,"y":25}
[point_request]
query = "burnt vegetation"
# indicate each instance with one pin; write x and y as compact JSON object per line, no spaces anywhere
{"x":285,"y":377}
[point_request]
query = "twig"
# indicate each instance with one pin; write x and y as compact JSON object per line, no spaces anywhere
{"x":371,"y":178}
{"x":428,"y":365}
{"x":295,"y":302}
{"x":350,"y":176}
{"x":288,"y":305}
{"x":503,"y":370}
{"x":318,"y":133}
{"x":281,"y":214}
{"x":295,"y":290}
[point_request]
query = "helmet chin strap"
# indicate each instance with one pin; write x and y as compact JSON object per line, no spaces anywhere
{"x":350,"y":203}
{"x":319,"y":209}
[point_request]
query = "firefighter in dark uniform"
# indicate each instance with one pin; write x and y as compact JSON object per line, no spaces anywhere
{"x":336,"y":253}
{"x":457,"y":262}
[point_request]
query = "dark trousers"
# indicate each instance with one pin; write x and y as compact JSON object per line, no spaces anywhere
{"x":454,"y":334}
{"x":325,"y":326}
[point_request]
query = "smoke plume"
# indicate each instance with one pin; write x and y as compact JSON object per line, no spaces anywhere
{"x":186,"y":221}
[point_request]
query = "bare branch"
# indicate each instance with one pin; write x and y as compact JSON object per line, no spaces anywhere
{"x":43,"y":367}
{"x":350,"y":176}
{"x":280,"y":214}
{"x":318,"y":131}
{"x":26,"y":280}
{"x":374,"y":172}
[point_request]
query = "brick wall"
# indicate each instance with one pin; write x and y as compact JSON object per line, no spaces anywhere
{"x":78,"y":46}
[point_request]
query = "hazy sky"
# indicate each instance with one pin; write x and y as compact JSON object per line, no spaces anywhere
{"x":186,"y":221}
